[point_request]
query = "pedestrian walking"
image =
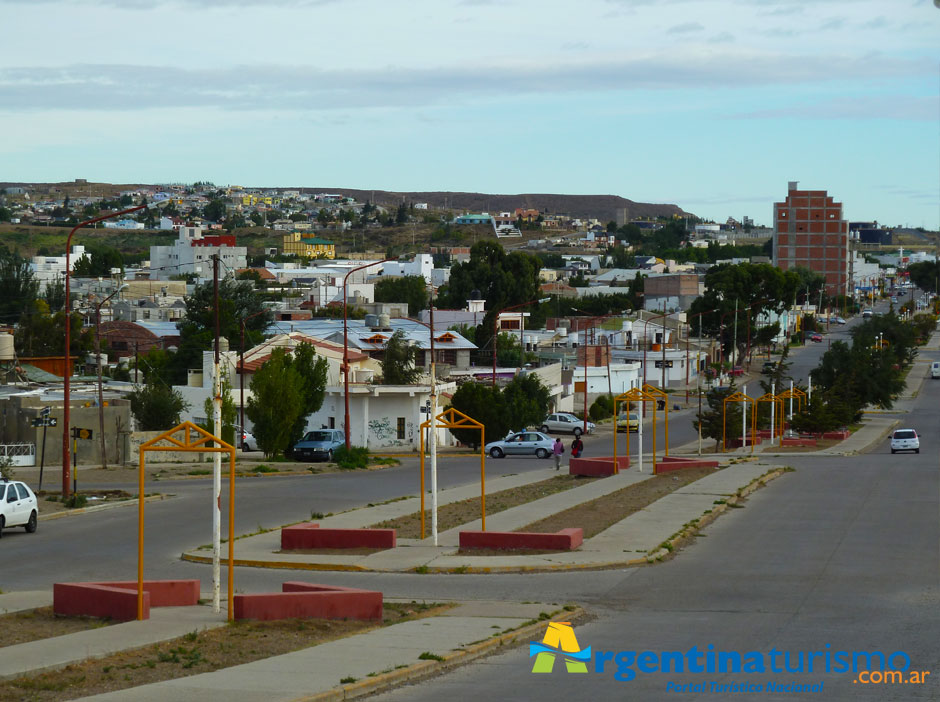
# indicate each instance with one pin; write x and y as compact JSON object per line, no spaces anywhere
{"x":577,"y":446}
{"x":558,"y":448}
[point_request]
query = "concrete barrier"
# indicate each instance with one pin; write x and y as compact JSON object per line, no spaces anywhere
{"x":310,"y":535}
{"x":800,"y":441}
{"x":597,"y":466}
{"x":118,"y":600}
{"x":301,"y":600}
{"x":671,"y":463}
{"x":564,"y":540}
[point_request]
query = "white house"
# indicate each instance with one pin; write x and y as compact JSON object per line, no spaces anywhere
{"x":193,"y":251}
{"x":46,"y":269}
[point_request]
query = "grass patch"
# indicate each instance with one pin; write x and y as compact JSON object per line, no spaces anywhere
{"x":200,"y":471}
{"x":457,"y":513}
{"x":264,"y":469}
{"x":428,"y":656}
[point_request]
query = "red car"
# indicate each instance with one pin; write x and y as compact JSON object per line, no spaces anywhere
{"x":816,"y":336}
{"x":736,"y":371}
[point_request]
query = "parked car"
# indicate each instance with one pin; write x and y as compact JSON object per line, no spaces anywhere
{"x":247,"y":441}
{"x":318,"y":445}
{"x":867,"y":313}
{"x":905,"y":440}
{"x":18,"y":506}
{"x":629,"y":422}
{"x":565,"y":422}
{"x":736,"y":371}
{"x":816,"y":336}
{"x":839,"y":320}
{"x":523,"y":443}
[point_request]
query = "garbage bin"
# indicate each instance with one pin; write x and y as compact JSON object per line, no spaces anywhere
{"x":660,"y":404}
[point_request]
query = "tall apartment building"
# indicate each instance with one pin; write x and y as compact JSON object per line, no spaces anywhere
{"x":810,"y":231}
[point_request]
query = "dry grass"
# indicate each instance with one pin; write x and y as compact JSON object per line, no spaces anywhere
{"x":457,"y":513}
{"x":197,"y":652}
{"x":36,"y":624}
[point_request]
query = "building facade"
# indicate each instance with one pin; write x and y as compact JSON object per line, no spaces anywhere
{"x":810,"y":231}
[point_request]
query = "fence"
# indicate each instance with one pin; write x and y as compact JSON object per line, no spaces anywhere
{"x":21,"y":454}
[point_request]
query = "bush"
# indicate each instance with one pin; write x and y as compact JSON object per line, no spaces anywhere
{"x":351,"y":458}
{"x":76,"y":501}
{"x":602,"y":408}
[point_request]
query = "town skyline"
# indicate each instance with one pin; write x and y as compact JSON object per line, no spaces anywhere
{"x":712,"y":106}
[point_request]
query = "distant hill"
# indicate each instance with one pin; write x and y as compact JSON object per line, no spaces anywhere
{"x":603,"y":207}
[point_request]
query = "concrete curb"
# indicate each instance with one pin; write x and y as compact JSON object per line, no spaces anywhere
{"x":696,"y":525}
{"x":99,"y":508}
{"x":283,"y":565}
{"x":425,"y":669}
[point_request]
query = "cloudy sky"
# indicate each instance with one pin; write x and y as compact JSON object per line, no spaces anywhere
{"x":709,"y":104}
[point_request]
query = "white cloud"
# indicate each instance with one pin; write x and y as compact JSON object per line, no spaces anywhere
{"x":893,"y":107}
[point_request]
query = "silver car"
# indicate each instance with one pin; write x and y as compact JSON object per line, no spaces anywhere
{"x":567,"y":423}
{"x":523,"y":443}
{"x":318,"y":445}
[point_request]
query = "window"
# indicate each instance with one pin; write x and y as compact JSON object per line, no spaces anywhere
{"x":11,"y":494}
{"x":24,"y":494}
{"x":2,"y":490}
{"x":401,"y":427}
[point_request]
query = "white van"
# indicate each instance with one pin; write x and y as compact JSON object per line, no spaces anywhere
{"x":935,"y":369}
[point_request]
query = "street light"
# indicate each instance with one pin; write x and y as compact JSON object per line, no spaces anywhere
{"x":104,"y":451}
{"x":346,"y":345}
{"x":159,"y":199}
{"x":496,"y":322}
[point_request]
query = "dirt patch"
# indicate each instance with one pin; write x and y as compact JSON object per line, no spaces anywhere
{"x":51,"y":502}
{"x":198,"y":652}
{"x":597,"y":515}
{"x":457,"y":513}
{"x":36,"y":624}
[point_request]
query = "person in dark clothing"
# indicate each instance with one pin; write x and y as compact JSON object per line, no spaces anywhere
{"x":577,"y":446}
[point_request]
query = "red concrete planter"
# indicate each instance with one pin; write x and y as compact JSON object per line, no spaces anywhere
{"x":564,"y":540}
{"x":801,"y":441}
{"x":839,"y":435}
{"x":736,"y":443}
{"x":307,"y":536}
{"x":597,"y":465}
{"x":309,"y":601}
{"x":118,"y":600}
{"x":667,"y":464}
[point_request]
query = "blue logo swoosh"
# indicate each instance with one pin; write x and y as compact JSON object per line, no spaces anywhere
{"x":584,"y":655}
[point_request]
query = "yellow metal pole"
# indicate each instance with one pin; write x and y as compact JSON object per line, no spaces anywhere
{"x":482,"y":477}
{"x":653,"y":401}
{"x":724,"y":417}
{"x":753,"y":427}
{"x":616,"y":416}
{"x":140,"y":535}
{"x":231,"y":535}
{"x":639,"y":419}
{"x":421,"y":481}
{"x":667,"y":426}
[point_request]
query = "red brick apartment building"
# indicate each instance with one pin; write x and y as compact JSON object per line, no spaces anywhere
{"x":810,"y":231}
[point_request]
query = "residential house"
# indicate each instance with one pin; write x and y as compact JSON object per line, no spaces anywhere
{"x":295,"y":244}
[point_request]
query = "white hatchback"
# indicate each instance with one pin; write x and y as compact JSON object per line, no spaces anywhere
{"x":17,"y":506}
{"x":905,"y":440}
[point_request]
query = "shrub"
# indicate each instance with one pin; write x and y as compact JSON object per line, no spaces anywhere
{"x":602,"y":408}
{"x":351,"y":458}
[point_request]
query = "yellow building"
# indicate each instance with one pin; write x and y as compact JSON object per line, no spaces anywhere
{"x":314,"y":247}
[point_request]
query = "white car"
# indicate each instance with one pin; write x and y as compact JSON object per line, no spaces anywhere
{"x":247,"y":441}
{"x":905,"y":440}
{"x":17,"y":506}
{"x":565,"y":422}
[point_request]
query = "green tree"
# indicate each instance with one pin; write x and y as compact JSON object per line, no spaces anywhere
{"x":257,"y":219}
{"x":276,"y":403}
{"x":214,"y":211}
{"x":98,"y":260}
{"x":157,"y":406}
{"x":719,"y":417}
{"x":54,"y":294}
{"x":41,"y":333}
{"x":5,"y":214}
{"x":483,"y":403}
{"x":925,"y":275}
{"x":238,"y":300}
{"x":527,"y":400}
{"x":18,"y":288}
{"x":400,"y":363}
{"x":412,"y":289}
{"x":312,"y":371}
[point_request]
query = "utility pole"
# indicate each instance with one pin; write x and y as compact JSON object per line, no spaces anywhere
{"x":734,"y":345}
{"x":217,"y":455}
{"x":433,"y":420}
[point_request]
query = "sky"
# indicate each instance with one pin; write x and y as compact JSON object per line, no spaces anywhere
{"x":712,"y":105}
